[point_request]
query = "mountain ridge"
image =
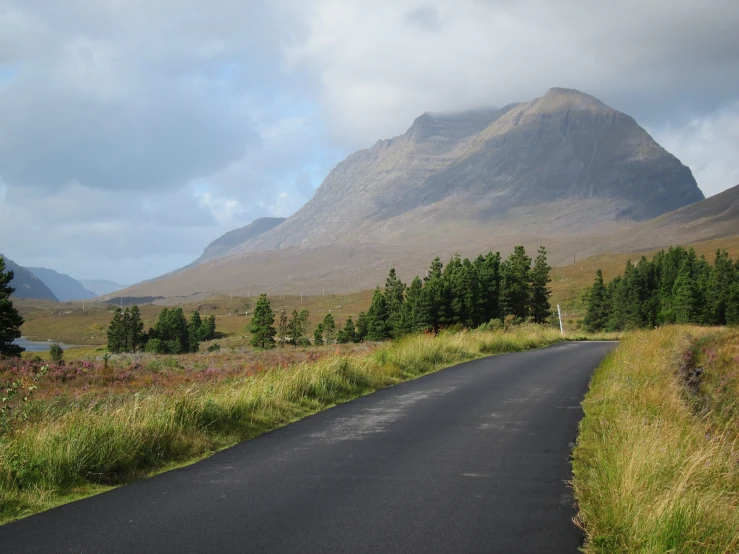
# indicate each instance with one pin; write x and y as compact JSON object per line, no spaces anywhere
{"x":26,"y":284}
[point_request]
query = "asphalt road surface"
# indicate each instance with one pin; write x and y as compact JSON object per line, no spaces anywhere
{"x":474,"y":458}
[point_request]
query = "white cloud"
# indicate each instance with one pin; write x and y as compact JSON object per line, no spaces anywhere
{"x":709,"y":145}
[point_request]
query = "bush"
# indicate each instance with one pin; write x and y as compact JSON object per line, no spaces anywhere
{"x":154,"y":346}
{"x":215,"y":347}
{"x":56,"y":353}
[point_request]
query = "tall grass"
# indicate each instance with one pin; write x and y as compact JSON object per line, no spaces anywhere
{"x":651,"y":474}
{"x":73,"y":450}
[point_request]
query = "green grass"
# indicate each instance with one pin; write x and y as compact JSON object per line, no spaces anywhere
{"x":652,"y":473}
{"x":82,"y":445}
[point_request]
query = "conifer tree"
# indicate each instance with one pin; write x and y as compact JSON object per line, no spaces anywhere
{"x":685,"y":297}
{"x":318,"y":335}
{"x":412,"y":318}
{"x":348,"y":333}
{"x":194,"y":331}
{"x":435,"y":298}
{"x":261,"y":328}
{"x":361,"y":327}
{"x":283,"y":329}
{"x":378,"y":314}
{"x":136,"y":331}
{"x":515,"y":287}
{"x":732,"y":305}
{"x":329,"y":328}
{"x":10,"y":319}
{"x":540,"y":307}
{"x":394,"y":295}
{"x":117,"y":333}
{"x":596,"y":317}
{"x":126,"y":347}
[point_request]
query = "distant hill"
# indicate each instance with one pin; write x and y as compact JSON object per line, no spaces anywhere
{"x":63,"y":286}
{"x":26,"y":284}
{"x":564,"y":170}
{"x":101,"y":287}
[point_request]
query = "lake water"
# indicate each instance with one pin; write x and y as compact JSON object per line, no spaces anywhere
{"x":35,"y":346}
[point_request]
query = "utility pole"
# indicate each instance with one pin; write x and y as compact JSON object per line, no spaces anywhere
{"x":561,"y":327}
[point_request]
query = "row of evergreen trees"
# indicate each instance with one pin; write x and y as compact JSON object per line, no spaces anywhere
{"x":463,"y":293}
{"x":294,"y":330}
{"x":172,"y":334}
{"x":675,"y":287}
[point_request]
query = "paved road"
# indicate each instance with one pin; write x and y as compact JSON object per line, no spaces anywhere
{"x":470,"y":459}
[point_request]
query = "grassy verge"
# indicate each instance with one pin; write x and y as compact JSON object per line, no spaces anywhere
{"x":78,"y":445}
{"x":657,"y":460}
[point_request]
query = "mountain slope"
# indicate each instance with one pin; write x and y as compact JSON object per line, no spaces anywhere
{"x":26,"y":284}
{"x":565,"y":145}
{"x":233,"y":239}
{"x":63,"y":286}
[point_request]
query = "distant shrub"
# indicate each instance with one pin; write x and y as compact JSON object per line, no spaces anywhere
{"x":492,"y":325}
{"x":153,"y":346}
{"x":56,"y":353}
{"x":215,"y":347}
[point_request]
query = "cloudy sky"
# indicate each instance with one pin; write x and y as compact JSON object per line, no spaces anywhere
{"x":134,"y":132}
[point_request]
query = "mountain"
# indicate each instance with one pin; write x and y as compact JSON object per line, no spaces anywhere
{"x":563,"y":170}
{"x":233,"y":239}
{"x":485,"y":164}
{"x":100,"y":286}
{"x":26,"y":284}
{"x":63,"y":286}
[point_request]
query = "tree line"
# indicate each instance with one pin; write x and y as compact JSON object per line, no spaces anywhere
{"x":676,"y":286}
{"x":463,"y":293}
{"x":172,"y":333}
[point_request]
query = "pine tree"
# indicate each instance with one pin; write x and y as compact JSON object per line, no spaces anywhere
{"x":261,"y":328}
{"x":283,"y":329}
{"x":488,"y":270}
{"x":515,"y":286}
{"x":361,"y":327}
{"x":10,"y":319}
{"x":348,"y":333}
{"x":394,"y":295}
{"x":685,"y":297}
{"x":412,"y":320}
{"x":126,"y":330}
{"x":117,"y":333}
{"x":596,"y":317}
{"x":296,"y":329}
{"x":136,"y":329}
{"x":195,"y":331}
{"x":329,"y":328}
{"x":318,"y":335}
{"x":540,"y":307}
{"x":732,"y":305}
{"x":435,"y":302}
{"x":378,"y":328}
{"x":721,"y":279}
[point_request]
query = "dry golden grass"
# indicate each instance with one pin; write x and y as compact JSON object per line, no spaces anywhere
{"x":651,"y":474}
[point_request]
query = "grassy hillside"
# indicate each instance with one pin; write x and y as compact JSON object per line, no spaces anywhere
{"x":657,"y":459}
{"x":88,"y":425}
